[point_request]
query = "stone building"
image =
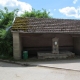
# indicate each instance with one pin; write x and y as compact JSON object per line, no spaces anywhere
{"x":43,"y":34}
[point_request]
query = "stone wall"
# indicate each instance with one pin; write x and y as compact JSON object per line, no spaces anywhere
{"x":45,"y":40}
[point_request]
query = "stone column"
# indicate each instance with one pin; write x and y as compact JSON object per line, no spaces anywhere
{"x":16,"y":46}
{"x":55,"y":46}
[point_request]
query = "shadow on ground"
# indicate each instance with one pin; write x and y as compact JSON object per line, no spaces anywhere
{"x":7,"y":64}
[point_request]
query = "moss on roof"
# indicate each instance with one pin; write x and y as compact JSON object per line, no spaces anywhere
{"x":46,"y":25}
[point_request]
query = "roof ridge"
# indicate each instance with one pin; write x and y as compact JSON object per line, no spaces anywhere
{"x":48,"y":18}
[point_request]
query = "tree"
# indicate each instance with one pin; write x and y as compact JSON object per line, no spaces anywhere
{"x":6,"y":20}
{"x":37,"y":14}
{"x":6,"y":17}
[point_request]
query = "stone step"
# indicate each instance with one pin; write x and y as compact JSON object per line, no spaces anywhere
{"x":44,"y":55}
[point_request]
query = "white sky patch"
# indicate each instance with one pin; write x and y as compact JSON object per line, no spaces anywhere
{"x":51,"y":14}
{"x":51,"y":10}
{"x":75,"y":1}
{"x":13,"y":4}
{"x":54,"y":9}
{"x":71,"y":12}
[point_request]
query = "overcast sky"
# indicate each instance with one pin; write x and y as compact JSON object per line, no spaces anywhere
{"x":58,"y":8}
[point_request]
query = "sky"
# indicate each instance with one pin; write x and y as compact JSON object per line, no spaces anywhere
{"x":64,"y":9}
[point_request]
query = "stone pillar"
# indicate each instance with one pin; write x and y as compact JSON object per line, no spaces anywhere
{"x":55,"y":46}
{"x":16,"y":46}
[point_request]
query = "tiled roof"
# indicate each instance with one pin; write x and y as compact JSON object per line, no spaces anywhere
{"x":45,"y":25}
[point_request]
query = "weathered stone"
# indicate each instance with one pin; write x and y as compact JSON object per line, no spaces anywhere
{"x":55,"y":46}
{"x":65,"y":54}
{"x":16,"y":46}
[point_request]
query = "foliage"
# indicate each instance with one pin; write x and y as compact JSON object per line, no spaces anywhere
{"x":6,"y":20}
{"x":37,"y":14}
{"x":7,"y":17}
